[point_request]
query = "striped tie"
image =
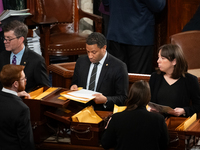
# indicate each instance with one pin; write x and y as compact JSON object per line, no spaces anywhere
{"x":14,"y":61}
{"x":93,"y":77}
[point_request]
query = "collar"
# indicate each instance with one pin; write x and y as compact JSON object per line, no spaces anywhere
{"x":9,"y":91}
{"x":103,"y":59}
{"x":18,"y":55}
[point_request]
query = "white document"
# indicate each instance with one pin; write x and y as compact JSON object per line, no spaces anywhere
{"x":83,"y":93}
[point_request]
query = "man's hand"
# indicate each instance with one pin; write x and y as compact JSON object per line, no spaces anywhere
{"x":177,"y":112}
{"x":100,"y":99}
{"x":74,"y":87}
{"x":24,"y":93}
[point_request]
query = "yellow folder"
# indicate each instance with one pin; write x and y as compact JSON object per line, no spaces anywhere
{"x":183,"y":126}
{"x":87,"y":115}
{"x":118,"y":108}
{"x":39,"y":94}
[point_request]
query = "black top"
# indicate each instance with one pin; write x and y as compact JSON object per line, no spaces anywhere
{"x":170,"y":95}
{"x":15,"y":125}
{"x":136,"y":130}
{"x":187,"y":90}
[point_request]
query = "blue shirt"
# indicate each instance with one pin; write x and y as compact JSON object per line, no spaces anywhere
{"x":18,"y":56}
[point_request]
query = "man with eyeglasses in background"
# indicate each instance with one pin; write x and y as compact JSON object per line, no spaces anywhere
{"x":15,"y":33}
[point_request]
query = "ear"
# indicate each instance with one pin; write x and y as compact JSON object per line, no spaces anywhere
{"x":104,"y":47}
{"x":21,"y":39}
{"x":15,"y":84}
{"x":174,"y":62}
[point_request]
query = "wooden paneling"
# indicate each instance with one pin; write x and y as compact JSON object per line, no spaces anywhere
{"x":179,"y":14}
{"x":31,"y":5}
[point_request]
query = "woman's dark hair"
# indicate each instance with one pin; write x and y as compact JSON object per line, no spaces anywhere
{"x":171,"y":52}
{"x":139,"y":95}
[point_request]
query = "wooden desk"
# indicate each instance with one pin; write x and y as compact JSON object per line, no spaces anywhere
{"x":62,"y":146}
{"x":62,"y":74}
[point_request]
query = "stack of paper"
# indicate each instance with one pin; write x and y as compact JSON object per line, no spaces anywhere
{"x":82,"y":95}
{"x":34,"y":43}
{"x":7,"y":15}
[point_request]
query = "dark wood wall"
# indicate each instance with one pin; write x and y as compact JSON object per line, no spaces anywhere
{"x":179,"y":14}
{"x":170,"y":21}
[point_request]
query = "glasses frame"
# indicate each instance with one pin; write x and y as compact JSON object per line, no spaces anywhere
{"x":23,"y":79}
{"x":9,"y":40}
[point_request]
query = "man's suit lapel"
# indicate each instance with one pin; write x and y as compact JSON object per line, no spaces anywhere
{"x":85,"y":73}
{"x":103,"y":71}
{"x":24,"y":59}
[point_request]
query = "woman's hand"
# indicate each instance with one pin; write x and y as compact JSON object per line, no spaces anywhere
{"x":177,"y":112}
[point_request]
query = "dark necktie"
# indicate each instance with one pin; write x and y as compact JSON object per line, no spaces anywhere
{"x":93,"y":77}
{"x":14,"y":61}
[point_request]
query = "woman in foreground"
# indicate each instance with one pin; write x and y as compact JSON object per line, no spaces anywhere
{"x":136,"y":128}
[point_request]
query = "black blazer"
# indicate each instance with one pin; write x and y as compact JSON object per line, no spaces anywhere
{"x":15,"y":126}
{"x":191,"y":95}
{"x":112,"y":83}
{"x":136,"y":130}
{"x":35,"y":68}
{"x":132,"y":22}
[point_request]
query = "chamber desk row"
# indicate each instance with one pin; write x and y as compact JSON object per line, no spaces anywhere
{"x":52,"y":124}
{"x":54,"y":129}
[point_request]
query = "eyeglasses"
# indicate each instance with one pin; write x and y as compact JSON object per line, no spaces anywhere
{"x":23,"y":79}
{"x":8,"y":40}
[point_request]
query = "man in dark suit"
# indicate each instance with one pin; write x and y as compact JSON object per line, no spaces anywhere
{"x":15,"y":126}
{"x":15,"y":34}
{"x":111,"y":77}
{"x":131,"y":32}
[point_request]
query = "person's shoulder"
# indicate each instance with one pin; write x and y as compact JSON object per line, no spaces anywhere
{"x":82,"y":60}
{"x":190,"y":77}
{"x":3,"y":53}
{"x":13,"y":99}
{"x":115,"y":60}
{"x":35,"y":57}
{"x":155,"y":75}
{"x":33,"y":53}
{"x":155,"y":116}
{"x":118,"y":115}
